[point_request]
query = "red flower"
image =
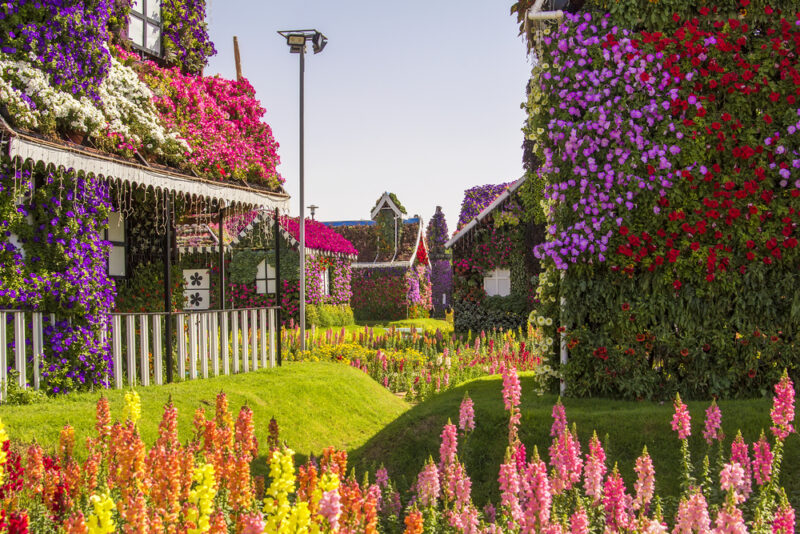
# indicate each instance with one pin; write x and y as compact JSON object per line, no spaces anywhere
{"x":676,"y":284}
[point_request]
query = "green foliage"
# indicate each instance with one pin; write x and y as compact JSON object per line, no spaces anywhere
{"x":16,"y":395}
{"x":328,"y":315}
{"x":494,"y":313}
{"x":244,"y":265}
{"x":144,"y":291}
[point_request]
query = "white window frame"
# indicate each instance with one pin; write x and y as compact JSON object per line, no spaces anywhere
{"x":139,"y":11}
{"x":117,"y":234}
{"x":265,"y":278}
{"x":497,"y":282}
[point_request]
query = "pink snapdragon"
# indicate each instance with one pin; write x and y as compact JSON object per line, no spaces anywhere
{"x":466,"y":415}
{"x":509,"y":489}
{"x":740,"y":455}
{"x":713,"y":429}
{"x":449,"y":446}
{"x":730,"y":521}
{"x":616,"y":502}
{"x":693,"y":516}
{"x":382,"y":477}
{"x":559,"y":419}
{"x":783,"y":522}
{"x":732,"y":480}
{"x":782,"y":413}
{"x":428,"y":489}
{"x":579,"y":522}
{"x":511,"y":395}
{"x":565,"y":457}
{"x":645,"y":482}
{"x":762,"y":464}
{"x":538,"y":495}
{"x":330,"y":507}
{"x":595,"y":469}
{"x":681,"y":421}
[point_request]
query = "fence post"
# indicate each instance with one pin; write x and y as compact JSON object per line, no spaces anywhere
{"x":19,"y":348}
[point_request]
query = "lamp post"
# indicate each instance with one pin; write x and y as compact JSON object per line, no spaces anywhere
{"x":297,"y":39}
{"x":313,"y":209}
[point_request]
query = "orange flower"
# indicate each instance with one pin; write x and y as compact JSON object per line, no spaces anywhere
{"x":414,"y":524}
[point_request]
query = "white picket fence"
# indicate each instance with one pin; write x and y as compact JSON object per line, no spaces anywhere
{"x":209,"y":343}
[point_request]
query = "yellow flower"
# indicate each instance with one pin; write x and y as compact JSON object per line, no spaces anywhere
{"x":202,"y":496}
{"x":133,"y":407}
{"x":3,"y":455}
{"x":100,"y":520}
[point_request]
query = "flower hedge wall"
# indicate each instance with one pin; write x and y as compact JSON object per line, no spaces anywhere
{"x":672,"y":192}
{"x":53,"y":259}
{"x":441,"y":270}
{"x":391,"y":293}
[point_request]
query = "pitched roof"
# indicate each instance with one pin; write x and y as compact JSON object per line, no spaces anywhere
{"x":475,"y":200}
{"x":362,"y":235}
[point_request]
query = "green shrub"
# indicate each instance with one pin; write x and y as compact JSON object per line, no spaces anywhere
{"x":470,"y":316}
{"x":328,"y":315}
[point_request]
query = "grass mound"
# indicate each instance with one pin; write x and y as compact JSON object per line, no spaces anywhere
{"x":623,"y":426}
{"x":317,"y":405}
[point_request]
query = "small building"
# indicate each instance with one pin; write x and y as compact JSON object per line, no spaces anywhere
{"x":391,"y":275}
{"x":495,"y":274}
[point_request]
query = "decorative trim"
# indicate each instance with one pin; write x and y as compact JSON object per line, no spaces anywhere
{"x":485,"y":212}
{"x":386,"y":200}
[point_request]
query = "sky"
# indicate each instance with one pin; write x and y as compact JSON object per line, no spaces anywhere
{"x":421,"y":97}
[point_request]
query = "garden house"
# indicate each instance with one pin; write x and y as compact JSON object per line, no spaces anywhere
{"x":107,"y":143}
{"x":391,"y":275}
{"x":494,"y":271}
{"x":250,"y":259}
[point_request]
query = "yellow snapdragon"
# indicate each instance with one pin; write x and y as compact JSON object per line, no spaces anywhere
{"x":3,"y":455}
{"x":100,"y":521}
{"x":202,"y":496}
{"x":133,"y":407}
{"x":281,"y":516}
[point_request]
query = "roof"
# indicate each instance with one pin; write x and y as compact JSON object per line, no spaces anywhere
{"x":320,"y":239}
{"x":386,"y":200}
{"x":489,"y":207}
{"x":362,"y":235}
{"x":68,"y":155}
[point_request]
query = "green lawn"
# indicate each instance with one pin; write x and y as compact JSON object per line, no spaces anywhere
{"x":405,"y":444}
{"x":421,"y":324}
{"x":316,"y":405}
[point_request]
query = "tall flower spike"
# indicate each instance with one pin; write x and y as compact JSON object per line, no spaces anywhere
{"x":713,"y":429}
{"x":645,"y":482}
{"x":681,"y":420}
{"x":466,"y":415}
{"x":782,"y":413}
{"x":595,"y":469}
{"x":762,"y":460}
{"x":559,"y":419}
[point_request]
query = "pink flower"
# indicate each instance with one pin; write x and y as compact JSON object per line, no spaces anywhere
{"x":616,"y":502}
{"x":511,"y":388}
{"x":466,"y":415}
{"x":693,"y":516}
{"x":740,"y":455}
{"x":783,"y":523}
{"x":330,"y":507}
{"x":782,"y":413}
{"x":713,"y":430}
{"x":252,"y":524}
{"x":681,"y":421}
{"x":428,"y":489}
{"x":449,"y":446}
{"x":579,"y":522}
{"x":730,"y":521}
{"x":537,"y":494}
{"x":595,"y":469}
{"x":645,"y":482}
{"x":565,"y":457}
{"x":509,"y":489}
{"x":382,"y":477}
{"x":732,"y":480}
{"x":559,"y":419}
{"x":762,"y":465}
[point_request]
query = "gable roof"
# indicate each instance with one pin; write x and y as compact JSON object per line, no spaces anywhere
{"x":320,"y":239}
{"x":362,"y":235}
{"x":386,"y":200}
{"x":488,"y":208}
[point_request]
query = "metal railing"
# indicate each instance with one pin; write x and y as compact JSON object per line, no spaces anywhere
{"x":208,"y":343}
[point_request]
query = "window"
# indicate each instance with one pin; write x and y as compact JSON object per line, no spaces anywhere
{"x":326,"y":281}
{"x":497,"y":282}
{"x":144,"y":26}
{"x":116,"y":235}
{"x":265,"y":278}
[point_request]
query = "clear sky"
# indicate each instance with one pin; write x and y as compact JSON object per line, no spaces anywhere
{"x":419,"y":97}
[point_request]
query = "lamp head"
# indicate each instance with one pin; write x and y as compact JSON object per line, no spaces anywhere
{"x":319,"y":41}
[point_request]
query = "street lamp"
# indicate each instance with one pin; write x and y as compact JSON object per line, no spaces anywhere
{"x":313,"y":209}
{"x":297,"y":39}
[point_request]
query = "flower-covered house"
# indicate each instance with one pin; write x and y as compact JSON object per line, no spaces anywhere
{"x":248,"y":243}
{"x":109,"y":136}
{"x":494,"y":272}
{"x":391,"y":275}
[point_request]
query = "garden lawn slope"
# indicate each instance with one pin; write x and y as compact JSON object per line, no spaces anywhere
{"x":623,"y":426}
{"x":317,"y":405}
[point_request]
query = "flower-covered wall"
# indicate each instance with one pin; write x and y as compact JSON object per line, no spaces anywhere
{"x":53,"y":260}
{"x":391,"y":293}
{"x":441,"y":268}
{"x":671,"y":172}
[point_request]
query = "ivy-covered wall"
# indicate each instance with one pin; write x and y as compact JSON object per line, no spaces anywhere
{"x":53,"y":260}
{"x":671,"y":187}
